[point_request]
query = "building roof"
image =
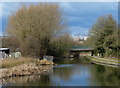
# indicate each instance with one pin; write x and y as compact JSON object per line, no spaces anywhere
{"x":80,"y":48}
{"x":4,"y":49}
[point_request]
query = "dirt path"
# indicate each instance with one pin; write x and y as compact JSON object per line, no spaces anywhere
{"x":107,"y":62}
{"x":105,"y":59}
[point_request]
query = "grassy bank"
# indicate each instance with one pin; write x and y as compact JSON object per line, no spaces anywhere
{"x":112,"y":58}
{"x":108,"y":61}
{"x":9,"y":62}
{"x":23,"y":67}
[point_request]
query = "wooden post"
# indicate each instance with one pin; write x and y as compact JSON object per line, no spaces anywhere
{"x":92,"y":53}
{"x":79,"y":54}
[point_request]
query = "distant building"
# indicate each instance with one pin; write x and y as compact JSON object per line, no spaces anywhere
{"x":79,"y":39}
{"x":85,"y":38}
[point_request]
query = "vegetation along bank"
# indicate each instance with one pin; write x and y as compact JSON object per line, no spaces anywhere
{"x":24,"y":67}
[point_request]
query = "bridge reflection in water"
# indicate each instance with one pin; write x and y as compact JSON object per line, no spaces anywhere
{"x":78,"y":51}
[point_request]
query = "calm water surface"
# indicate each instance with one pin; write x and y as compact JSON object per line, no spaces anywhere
{"x":76,"y":72}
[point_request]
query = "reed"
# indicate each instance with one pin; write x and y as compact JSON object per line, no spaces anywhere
{"x":23,"y":67}
{"x":11,"y":62}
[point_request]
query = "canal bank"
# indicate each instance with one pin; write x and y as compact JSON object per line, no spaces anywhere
{"x":70,"y":72}
{"x":103,"y":61}
{"x":31,"y":67}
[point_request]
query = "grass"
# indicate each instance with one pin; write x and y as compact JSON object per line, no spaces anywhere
{"x":11,"y":62}
{"x":107,"y":59}
{"x":112,"y":58}
{"x":24,"y":67}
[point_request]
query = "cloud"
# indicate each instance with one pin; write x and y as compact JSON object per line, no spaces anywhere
{"x":9,"y":7}
{"x":1,"y":33}
{"x":88,"y":8}
{"x":83,"y":14}
{"x":80,"y":15}
{"x":81,"y":21}
{"x":0,"y":10}
{"x":77,"y":30}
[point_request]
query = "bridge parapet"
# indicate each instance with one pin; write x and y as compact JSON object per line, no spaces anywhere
{"x":78,"y":49}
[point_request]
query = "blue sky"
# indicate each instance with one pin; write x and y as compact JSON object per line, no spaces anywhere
{"x":80,"y":15}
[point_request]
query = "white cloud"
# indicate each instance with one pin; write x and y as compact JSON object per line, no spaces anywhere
{"x":88,"y":8}
{"x":9,"y":7}
{"x":0,"y":10}
{"x":1,"y":33}
{"x":77,"y":30}
{"x":80,"y":15}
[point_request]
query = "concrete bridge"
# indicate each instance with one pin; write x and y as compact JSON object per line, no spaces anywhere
{"x":78,"y":51}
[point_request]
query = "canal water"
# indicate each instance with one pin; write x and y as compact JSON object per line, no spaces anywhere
{"x":71,"y":72}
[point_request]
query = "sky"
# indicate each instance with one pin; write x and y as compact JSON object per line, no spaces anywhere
{"x":80,"y":15}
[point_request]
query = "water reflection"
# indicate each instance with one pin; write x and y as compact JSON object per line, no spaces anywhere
{"x":74,"y":75}
{"x":107,"y":76}
{"x":80,"y":74}
{"x":35,"y":80}
{"x":72,"y":60}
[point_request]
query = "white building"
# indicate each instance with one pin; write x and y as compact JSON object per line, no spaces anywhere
{"x":79,"y":38}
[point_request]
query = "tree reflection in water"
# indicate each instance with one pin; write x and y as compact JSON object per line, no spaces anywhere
{"x":72,"y":72}
{"x":33,"y":80}
{"x":64,"y":73}
{"x":107,"y":76}
{"x":29,"y":80}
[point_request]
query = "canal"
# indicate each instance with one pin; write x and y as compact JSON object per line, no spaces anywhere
{"x":71,"y":72}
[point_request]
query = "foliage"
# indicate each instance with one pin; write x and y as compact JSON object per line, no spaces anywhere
{"x":103,"y":36}
{"x":10,"y":42}
{"x":36,"y":26}
{"x":59,"y":45}
{"x":107,"y":76}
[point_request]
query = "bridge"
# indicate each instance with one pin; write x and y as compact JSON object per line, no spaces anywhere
{"x":78,"y":51}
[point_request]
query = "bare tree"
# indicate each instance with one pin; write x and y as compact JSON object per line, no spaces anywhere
{"x":35,"y":26}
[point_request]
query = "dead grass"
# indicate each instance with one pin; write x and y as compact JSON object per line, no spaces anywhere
{"x":9,"y":62}
{"x":24,"y":70}
{"x":23,"y":67}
